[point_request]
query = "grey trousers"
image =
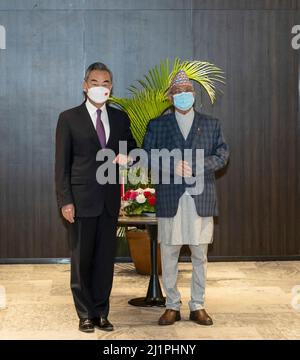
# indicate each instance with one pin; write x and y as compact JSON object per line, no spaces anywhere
{"x":169,"y":258}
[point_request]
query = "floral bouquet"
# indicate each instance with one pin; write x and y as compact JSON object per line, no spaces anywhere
{"x":138,"y":201}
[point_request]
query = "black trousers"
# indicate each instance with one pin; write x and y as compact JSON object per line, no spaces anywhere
{"x":93,"y":246}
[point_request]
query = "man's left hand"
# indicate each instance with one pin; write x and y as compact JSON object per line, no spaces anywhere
{"x":122,"y":159}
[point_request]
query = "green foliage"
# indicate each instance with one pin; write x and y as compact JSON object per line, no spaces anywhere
{"x":149,"y":98}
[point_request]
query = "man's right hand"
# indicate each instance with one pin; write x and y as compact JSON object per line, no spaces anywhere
{"x":68,"y":212}
{"x":183,"y":169}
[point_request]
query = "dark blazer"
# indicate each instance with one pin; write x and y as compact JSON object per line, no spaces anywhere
{"x":164,"y":133}
{"x":77,"y":144}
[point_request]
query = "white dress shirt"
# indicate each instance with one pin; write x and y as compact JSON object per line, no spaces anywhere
{"x":104,"y":117}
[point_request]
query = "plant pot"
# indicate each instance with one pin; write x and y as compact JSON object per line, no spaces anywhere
{"x":139,"y":247}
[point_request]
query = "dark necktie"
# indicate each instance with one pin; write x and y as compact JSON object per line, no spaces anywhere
{"x":100,"y":130}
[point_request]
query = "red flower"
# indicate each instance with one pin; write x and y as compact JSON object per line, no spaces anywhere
{"x":152,"y":200}
{"x":133,"y":194}
{"x":147,"y":194}
{"x":126,"y":195}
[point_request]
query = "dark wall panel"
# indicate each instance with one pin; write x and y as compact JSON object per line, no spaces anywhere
{"x":258,"y":194}
{"x":49,"y":44}
{"x":136,"y":41}
{"x":44,"y":51}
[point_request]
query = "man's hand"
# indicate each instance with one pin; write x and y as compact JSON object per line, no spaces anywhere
{"x":183,"y":169}
{"x":68,"y":212}
{"x":122,"y":159}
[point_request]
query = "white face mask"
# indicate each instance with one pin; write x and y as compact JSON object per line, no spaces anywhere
{"x":98,"y":94}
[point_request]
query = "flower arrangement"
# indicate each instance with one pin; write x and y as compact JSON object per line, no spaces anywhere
{"x":138,"y":201}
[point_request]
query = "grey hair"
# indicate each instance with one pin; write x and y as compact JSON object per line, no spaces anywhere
{"x":97,"y":66}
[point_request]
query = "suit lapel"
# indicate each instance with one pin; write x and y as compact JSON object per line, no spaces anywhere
{"x":175,"y":132}
{"x":88,"y":123}
{"x":89,"y":126}
{"x":112,"y":129}
{"x":195,"y":131}
{"x":193,"y":135}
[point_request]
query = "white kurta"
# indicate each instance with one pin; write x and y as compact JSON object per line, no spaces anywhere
{"x":186,"y":227}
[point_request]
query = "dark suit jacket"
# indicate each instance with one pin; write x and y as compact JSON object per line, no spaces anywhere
{"x":205,"y":133}
{"x":77,"y":144}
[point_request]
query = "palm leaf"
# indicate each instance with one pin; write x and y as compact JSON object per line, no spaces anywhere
{"x":141,"y":108}
{"x":157,"y":79}
{"x":149,"y":97}
{"x":204,"y":73}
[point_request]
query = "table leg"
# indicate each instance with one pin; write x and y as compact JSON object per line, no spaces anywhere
{"x":154,"y":295}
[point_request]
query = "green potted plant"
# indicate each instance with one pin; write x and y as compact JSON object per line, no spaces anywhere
{"x":149,"y":97}
{"x":149,"y":100}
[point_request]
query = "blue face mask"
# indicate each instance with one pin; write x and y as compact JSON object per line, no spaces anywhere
{"x":183,"y":101}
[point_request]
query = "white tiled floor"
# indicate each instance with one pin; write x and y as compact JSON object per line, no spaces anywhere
{"x":246,"y":301}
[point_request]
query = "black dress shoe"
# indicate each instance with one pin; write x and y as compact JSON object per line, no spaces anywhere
{"x":86,"y":325}
{"x":103,"y":324}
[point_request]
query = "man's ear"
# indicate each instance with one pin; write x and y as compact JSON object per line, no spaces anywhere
{"x":84,"y":87}
{"x":170,"y":98}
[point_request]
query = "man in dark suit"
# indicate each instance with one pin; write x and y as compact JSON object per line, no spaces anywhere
{"x":185,"y":216}
{"x":90,"y":208}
